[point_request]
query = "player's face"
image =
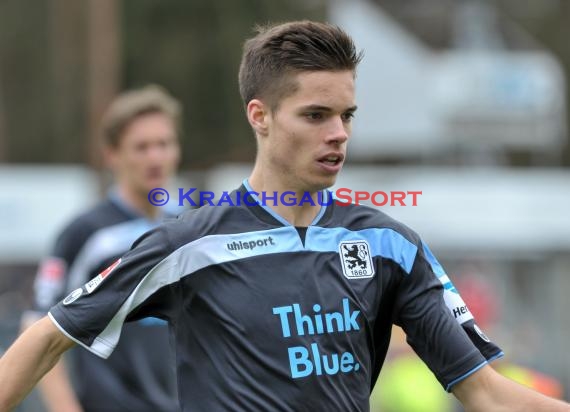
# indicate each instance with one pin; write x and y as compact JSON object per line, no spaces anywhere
{"x":308,"y":133}
{"x":147,"y":154}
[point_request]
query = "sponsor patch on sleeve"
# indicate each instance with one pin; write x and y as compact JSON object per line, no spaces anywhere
{"x":96,"y":281}
{"x":73,"y":296}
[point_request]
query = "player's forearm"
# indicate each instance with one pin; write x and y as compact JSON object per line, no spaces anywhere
{"x":57,"y":391}
{"x":28,"y":359}
{"x":511,"y":396}
{"x":527,"y":401}
{"x":497,"y":393}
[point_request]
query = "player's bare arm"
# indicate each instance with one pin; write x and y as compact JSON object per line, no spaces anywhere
{"x":487,"y":390}
{"x":32,"y":355}
{"x":56,"y":388}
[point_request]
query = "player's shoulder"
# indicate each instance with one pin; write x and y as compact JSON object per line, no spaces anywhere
{"x":212,"y":219}
{"x":102,"y":214}
{"x":362,"y":217}
{"x":72,"y":237}
{"x":206,"y":221}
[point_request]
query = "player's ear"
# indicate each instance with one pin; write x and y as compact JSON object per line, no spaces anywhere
{"x":258,"y":116}
{"x":110,"y":157}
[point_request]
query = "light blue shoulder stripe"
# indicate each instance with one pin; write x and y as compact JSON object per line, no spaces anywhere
{"x":383,"y":242}
{"x":435,"y":265}
{"x":438,"y":270}
{"x":217,"y":249}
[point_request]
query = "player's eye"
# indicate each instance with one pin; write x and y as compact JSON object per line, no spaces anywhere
{"x":314,"y":115}
{"x":141,"y":147}
{"x":347,"y":117}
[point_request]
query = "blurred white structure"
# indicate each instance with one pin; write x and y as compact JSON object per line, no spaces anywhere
{"x":35,"y":203}
{"x":415,"y":101}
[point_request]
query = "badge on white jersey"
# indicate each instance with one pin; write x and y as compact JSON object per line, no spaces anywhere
{"x":356,"y":260}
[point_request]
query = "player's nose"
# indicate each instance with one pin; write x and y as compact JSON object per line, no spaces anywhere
{"x":338,"y":132}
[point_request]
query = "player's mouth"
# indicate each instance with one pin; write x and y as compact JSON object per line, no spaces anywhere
{"x":332,"y":162}
{"x":155,"y":173}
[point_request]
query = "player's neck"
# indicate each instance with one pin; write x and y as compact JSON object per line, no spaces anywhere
{"x":137,"y":202}
{"x":297,"y":213}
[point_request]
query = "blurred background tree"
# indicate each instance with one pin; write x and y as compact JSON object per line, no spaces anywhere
{"x":61,"y":62}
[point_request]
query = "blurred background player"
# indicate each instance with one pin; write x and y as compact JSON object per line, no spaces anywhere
{"x":141,"y":148}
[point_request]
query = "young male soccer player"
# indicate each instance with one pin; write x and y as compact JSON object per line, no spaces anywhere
{"x":141,"y":146}
{"x":289,"y":324}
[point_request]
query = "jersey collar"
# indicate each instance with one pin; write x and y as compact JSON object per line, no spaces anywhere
{"x":327,"y":204}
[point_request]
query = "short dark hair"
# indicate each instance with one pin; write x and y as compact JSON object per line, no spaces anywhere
{"x":134,"y":103}
{"x":277,"y":52}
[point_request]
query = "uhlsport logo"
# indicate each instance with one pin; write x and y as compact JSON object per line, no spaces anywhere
{"x":356,"y":260}
{"x":250,"y":244}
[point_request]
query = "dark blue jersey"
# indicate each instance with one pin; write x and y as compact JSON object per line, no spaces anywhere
{"x":270,"y":317}
{"x":140,"y":375}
